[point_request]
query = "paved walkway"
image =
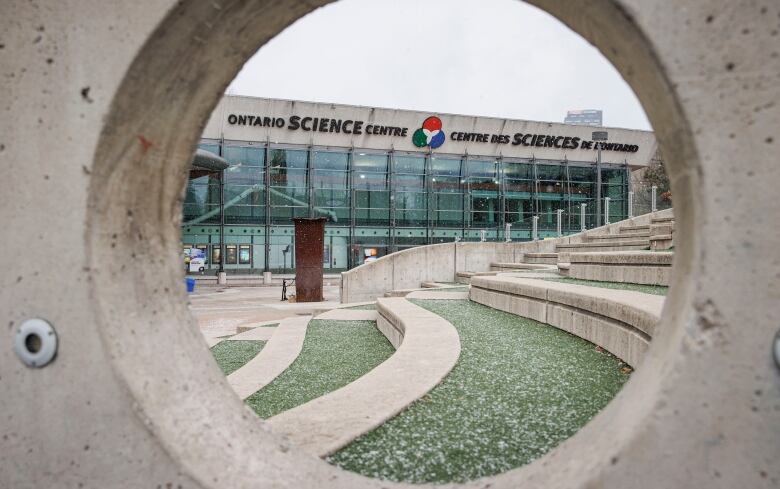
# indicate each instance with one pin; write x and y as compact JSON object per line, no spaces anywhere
{"x":220,"y":312}
{"x":281,"y":350}
{"x":262,"y":333}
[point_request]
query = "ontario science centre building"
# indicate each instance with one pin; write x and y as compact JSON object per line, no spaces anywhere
{"x":390,"y":179}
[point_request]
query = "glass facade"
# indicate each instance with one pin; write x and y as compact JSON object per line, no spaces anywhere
{"x":380,"y":202}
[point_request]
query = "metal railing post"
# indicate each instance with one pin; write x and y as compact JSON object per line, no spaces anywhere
{"x":482,"y":233}
{"x":507,"y":232}
{"x":559,"y":217}
{"x":606,"y":210}
{"x":582,"y":216}
{"x":653,"y":203}
{"x":630,"y":204}
{"x":535,"y":228}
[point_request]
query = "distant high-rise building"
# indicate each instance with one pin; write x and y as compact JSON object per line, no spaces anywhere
{"x":587,"y":117}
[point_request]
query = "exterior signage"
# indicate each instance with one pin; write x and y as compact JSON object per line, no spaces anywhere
{"x":430,"y":134}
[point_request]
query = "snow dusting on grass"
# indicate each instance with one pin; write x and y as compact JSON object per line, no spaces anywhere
{"x":334,"y":354}
{"x":519,"y":389}
{"x":364,"y":307}
{"x":647,"y":289}
{"x":233,"y":354}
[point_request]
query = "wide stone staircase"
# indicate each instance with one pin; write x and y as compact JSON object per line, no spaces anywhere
{"x":622,"y":252}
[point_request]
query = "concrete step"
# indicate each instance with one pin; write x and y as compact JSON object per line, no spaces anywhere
{"x":661,"y":220}
{"x":541,"y":258}
{"x":604,"y":245}
{"x":633,"y":229}
{"x":638,"y":267}
{"x":618,"y":237}
{"x":509,"y":267}
{"x":465,"y":277}
{"x":662,"y":242}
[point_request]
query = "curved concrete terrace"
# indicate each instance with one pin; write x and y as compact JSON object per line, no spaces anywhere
{"x":281,"y":350}
{"x":427,"y":346}
{"x":622,"y":322}
{"x":638,"y":267}
{"x":407,"y":269}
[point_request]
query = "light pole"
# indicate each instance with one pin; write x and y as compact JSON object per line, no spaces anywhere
{"x":599,"y":137}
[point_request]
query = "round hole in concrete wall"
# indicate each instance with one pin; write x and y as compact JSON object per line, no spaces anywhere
{"x":170,"y":62}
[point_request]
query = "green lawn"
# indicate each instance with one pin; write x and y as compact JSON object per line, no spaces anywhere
{"x":519,"y":388}
{"x":334,"y":354}
{"x":647,"y":289}
{"x":233,"y":354}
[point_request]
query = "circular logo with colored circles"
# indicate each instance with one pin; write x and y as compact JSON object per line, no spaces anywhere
{"x":430,"y":134}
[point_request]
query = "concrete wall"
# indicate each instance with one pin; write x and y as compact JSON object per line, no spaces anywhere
{"x":95,"y":144}
{"x":440,"y":262}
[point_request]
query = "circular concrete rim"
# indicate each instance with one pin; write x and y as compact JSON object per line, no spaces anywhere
{"x":139,"y":174}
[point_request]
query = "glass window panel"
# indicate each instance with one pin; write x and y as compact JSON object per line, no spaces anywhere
{"x":289,"y":196}
{"x":481,"y":168}
{"x":329,"y":160}
{"x":446,"y":166}
{"x":282,"y":177}
{"x":245,"y":175}
{"x":244,"y":155}
{"x":245,"y":214}
{"x":331,"y":198}
{"x":583,"y":190}
{"x":409,"y":164}
{"x":369,"y":162}
{"x":244,"y":254}
{"x":288,"y":158}
{"x":372,"y":216}
{"x":410,"y":182}
{"x":446,"y":184}
{"x":207,"y":214}
{"x":551,"y":172}
{"x":614,"y":191}
{"x":515,"y":219}
{"x":613,"y":176}
{"x":518,"y":205}
{"x":518,"y":171}
{"x":372,"y":181}
{"x":410,"y":200}
{"x":282,"y":215}
{"x":447,"y":201}
{"x":372,"y":198}
{"x":485,"y":204}
{"x":210,"y":147}
{"x":448,"y":218}
{"x":480,"y":185}
{"x":230,"y":255}
{"x":410,"y":217}
{"x":582,"y":174}
{"x":519,"y":186}
{"x":243,"y":194}
{"x":335,"y":215}
{"x":329,"y":179}
{"x":484,"y":219}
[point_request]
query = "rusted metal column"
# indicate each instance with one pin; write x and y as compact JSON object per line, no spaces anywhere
{"x":309,"y":247}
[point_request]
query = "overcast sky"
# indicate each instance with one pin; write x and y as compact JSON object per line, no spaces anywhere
{"x":499,"y":58}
